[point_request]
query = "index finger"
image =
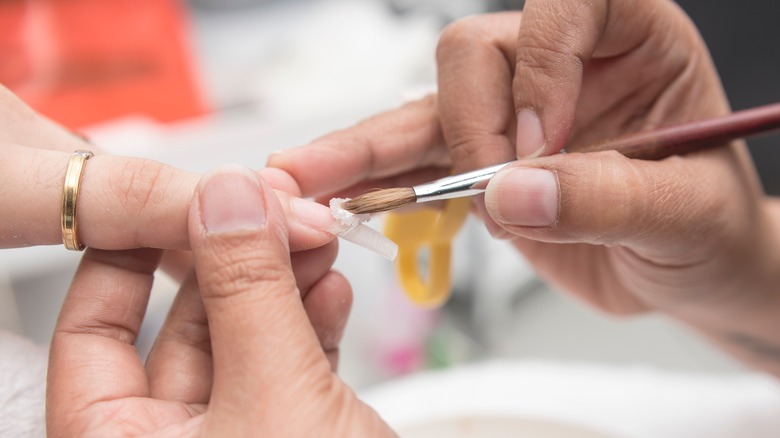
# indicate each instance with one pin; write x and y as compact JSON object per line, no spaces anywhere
{"x":20,"y":124}
{"x":475,"y":96}
{"x":123,"y":202}
{"x":392,"y":143}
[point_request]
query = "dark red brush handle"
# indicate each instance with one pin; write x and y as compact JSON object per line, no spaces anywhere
{"x":688,"y":137}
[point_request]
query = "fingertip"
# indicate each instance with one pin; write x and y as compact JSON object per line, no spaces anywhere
{"x":280,"y":179}
{"x":274,"y":159}
{"x":329,"y":304}
{"x":308,"y":221}
{"x":287,"y":161}
{"x":494,"y":229}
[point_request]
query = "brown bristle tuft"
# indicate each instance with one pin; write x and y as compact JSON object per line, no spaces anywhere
{"x":380,"y":200}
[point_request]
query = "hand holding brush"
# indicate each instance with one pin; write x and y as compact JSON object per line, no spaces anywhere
{"x":691,"y":236}
{"x":649,"y":145}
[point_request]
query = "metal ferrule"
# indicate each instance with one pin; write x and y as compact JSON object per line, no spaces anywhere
{"x":456,"y":186}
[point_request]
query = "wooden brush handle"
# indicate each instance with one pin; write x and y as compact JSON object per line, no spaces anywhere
{"x":661,"y":143}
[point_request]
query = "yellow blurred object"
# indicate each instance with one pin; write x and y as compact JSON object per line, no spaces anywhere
{"x":434,"y":229}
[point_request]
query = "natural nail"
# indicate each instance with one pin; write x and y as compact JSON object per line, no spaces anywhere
{"x":530,"y":137}
{"x":523,"y":196}
{"x":231,"y":200}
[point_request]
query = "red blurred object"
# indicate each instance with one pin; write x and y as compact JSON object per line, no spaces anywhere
{"x":85,"y":61}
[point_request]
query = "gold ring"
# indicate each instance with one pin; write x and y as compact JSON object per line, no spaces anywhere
{"x":70,"y":194}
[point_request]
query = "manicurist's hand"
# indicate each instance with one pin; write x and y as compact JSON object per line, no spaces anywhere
{"x":691,"y":236}
{"x":248,"y":348}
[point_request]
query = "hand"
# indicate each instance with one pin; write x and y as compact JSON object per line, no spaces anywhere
{"x":690,"y":236}
{"x":124,"y":202}
{"x":243,"y":352}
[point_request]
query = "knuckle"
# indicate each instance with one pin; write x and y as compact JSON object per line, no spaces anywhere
{"x":460,"y":34}
{"x":625,"y":181}
{"x":243,"y":273}
{"x":544,"y":52}
{"x":467,"y":149}
{"x":616,"y":180}
{"x":472,"y":147}
{"x":121,"y":332}
{"x":189,"y":332}
{"x":427,"y":103}
{"x":356,"y":142}
{"x":642,"y":203}
{"x":540,"y":55}
{"x":704,"y":209}
{"x":139,"y":184}
{"x":464,"y":147}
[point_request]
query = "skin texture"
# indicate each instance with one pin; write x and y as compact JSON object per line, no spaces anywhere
{"x":690,"y":236}
{"x":97,"y":384}
{"x":124,"y":202}
{"x":246,"y":348}
{"x":242,"y":352}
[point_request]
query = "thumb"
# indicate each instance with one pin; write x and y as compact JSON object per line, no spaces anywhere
{"x":673,"y":211}
{"x":263,"y":344}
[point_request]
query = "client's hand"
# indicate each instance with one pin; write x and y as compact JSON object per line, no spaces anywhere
{"x":249,"y":346}
{"x":123,"y":202}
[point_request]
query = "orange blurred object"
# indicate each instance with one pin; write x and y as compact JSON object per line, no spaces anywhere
{"x":80,"y":62}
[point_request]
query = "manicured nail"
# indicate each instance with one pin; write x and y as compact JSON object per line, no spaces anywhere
{"x":231,"y":200}
{"x":523,"y":196}
{"x":530,"y":138}
{"x":312,"y":214}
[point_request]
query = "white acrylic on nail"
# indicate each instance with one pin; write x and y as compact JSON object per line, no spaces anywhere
{"x":351,"y":227}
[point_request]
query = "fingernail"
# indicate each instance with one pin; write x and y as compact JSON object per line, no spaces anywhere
{"x":523,"y":196}
{"x":231,"y":200}
{"x":530,"y":138}
{"x":312,"y":214}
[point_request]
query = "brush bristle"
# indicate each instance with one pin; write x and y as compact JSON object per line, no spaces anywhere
{"x":380,"y":200}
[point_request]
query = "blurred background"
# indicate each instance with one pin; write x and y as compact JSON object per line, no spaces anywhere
{"x":204,"y":82}
{"x":741,"y":38}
